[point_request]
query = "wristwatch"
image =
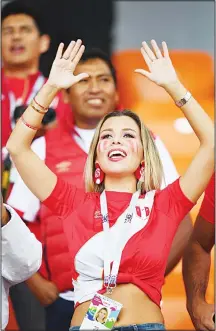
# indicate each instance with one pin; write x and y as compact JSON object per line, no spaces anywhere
{"x":184,"y":100}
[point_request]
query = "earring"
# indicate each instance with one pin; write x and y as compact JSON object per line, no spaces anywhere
{"x":98,"y":175}
{"x":139,"y":173}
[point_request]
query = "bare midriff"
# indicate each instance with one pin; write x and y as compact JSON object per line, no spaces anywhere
{"x":138,"y":308}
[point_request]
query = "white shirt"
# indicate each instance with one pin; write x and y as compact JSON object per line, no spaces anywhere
{"x":21,"y":257}
{"x":22,"y":199}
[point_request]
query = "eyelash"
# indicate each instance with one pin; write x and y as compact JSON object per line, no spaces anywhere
{"x":109,"y":135}
{"x":129,"y":134}
{"x":106,"y":136}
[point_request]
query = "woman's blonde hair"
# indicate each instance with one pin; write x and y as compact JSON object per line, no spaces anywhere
{"x":153,"y":171}
{"x":105,"y":317}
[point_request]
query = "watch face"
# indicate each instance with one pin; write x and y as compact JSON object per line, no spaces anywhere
{"x":183,"y":101}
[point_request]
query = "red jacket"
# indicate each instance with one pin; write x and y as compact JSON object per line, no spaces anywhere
{"x":12,"y":96}
{"x":65,"y":158}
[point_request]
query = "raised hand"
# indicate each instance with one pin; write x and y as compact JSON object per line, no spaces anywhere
{"x":62,"y":71}
{"x":161,"y":70}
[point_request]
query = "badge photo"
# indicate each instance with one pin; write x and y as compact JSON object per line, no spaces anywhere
{"x":102,"y":313}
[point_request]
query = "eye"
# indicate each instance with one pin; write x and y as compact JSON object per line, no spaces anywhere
{"x":85,"y":80}
{"x":128,"y":135}
{"x":26,"y":29}
{"x":106,"y":136}
{"x":7,"y":31}
{"x":104,"y":79}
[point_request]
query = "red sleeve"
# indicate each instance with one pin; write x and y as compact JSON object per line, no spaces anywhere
{"x":172,"y":202}
{"x":63,"y":198}
{"x":207,"y":209}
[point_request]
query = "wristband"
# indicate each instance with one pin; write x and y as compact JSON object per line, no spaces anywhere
{"x":44,"y":108}
{"x":38,"y":110}
{"x":184,"y":100}
{"x":28,"y":125}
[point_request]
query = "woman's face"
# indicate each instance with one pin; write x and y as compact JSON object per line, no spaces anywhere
{"x":102,"y":314}
{"x":119,"y":149}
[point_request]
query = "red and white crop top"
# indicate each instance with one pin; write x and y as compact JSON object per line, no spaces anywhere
{"x":145,"y":254}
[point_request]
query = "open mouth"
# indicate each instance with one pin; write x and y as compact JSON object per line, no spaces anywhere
{"x":17,"y":49}
{"x":95,"y":102}
{"x":117,"y":155}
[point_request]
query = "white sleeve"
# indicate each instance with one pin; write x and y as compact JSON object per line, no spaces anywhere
{"x":21,"y":251}
{"x":170,"y":172}
{"x":21,"y":198}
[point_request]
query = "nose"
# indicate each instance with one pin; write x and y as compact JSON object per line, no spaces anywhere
{"x":94,"y":86}
{"x":116,"y":140}
{"x":16,"y":34}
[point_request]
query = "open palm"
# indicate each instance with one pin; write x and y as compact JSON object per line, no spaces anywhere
{"x":161,"y":70}
{"x":62,"y":71}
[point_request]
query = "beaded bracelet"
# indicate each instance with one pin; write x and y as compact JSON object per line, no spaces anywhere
{"x":38,"y":110}
{"x":28,"y":125}
{"x":45,"y":108}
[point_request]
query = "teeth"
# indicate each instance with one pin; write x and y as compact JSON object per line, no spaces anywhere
{"x":95,"y":101}
{"x":116,"y":152}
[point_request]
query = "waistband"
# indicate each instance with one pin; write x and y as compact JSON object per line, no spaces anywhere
{"x":133,"y":327}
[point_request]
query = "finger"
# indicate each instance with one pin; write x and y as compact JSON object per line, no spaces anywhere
{"x":79,"y":77}
{"x":146,"y":57}
{"x":59,"y":51}
{"x":75,"y":49}
{"x":78,"y":55}
{"x":165,"y":49}
{"x":156,"y":49}
{"x":68,"y":51}
{"x":143,"y":72}
{"x":148,"y":51}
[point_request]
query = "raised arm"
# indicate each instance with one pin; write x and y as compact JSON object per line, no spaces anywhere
{"x":36,"y":175}
{"x":162,"y":72}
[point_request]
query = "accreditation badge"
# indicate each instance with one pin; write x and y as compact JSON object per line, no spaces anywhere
{"x":102,"y":313}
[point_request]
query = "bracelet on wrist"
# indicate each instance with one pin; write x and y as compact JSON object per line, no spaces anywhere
{"x":184,"y":100}
{"x":38,"y":110}
{"x":44,"y":108}
{"x":29,"y":125}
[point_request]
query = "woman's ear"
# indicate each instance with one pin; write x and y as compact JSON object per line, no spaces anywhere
{"x":44,"y":43}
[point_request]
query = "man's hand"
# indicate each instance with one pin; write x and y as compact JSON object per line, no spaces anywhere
{"x":44,"y":290}
{"x":202,"y":316}
{"x":5,"y":216}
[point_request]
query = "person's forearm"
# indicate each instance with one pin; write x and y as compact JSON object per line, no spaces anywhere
{"x":22,"y":136}
{"x":196,"y":116}
{"x":196,"y":268}
{"x":33,"y":280}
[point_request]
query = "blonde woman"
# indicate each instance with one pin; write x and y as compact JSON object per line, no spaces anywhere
{"x":101,"y":315}
{"x":120,"y":230}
